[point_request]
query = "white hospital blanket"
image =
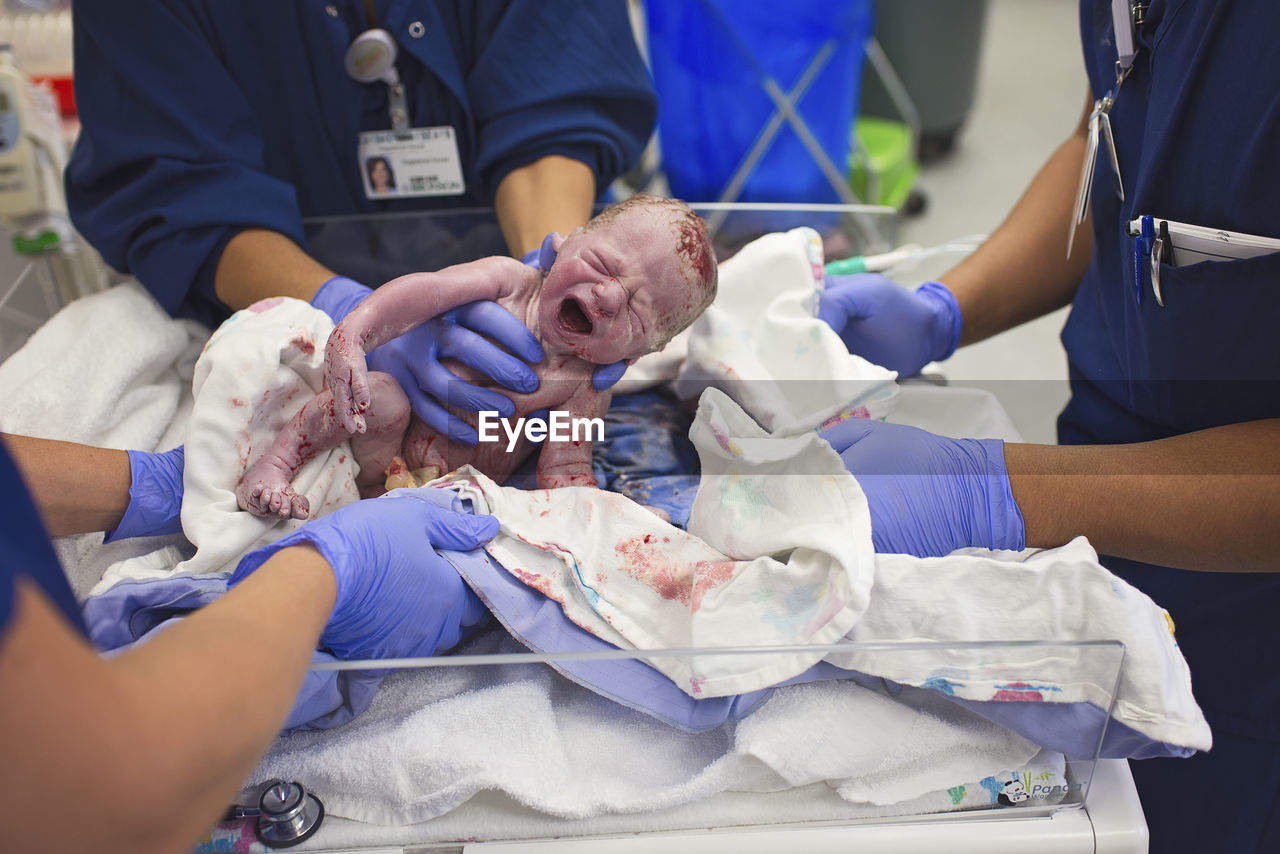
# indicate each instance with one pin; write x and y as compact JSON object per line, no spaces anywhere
{"x":778,"y":551}
{"x":779,"y":554}
{"x":762,"y":344}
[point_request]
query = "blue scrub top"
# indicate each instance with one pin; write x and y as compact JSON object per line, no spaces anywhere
{"x":1197,"y":128}
{"x":205,"y":117}
{"x":25,"y":550}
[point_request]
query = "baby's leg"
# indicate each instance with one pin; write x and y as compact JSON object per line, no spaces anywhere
{"x":266,"y":488}
{"x":380,"y":444}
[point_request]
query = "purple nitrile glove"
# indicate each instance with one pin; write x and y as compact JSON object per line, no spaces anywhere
{"x":930,"y":495}
{"x":413,"y":359}
{"x":397,"y":598}
{"x":155,"y":496}
{"x":883,"y":322}
{"x":605,"y":376}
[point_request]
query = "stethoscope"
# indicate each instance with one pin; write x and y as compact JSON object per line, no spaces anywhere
{"x":286,"y":813}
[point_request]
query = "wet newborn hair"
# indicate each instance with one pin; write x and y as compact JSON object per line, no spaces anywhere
{"x":693,"y":243}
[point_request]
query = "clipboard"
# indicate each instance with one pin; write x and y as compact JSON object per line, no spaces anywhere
{"x":1195,"y":243}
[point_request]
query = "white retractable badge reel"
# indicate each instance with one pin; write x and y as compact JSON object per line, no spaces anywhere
{"x":372,"y":57}
{"x":403,"y":162}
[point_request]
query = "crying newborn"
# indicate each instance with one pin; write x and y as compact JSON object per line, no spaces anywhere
{"x":622,"y":286}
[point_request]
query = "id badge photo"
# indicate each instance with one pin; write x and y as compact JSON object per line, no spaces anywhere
{"x":410,"y":164}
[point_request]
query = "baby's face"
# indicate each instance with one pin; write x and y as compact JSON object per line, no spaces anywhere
{"x":617,"y":291}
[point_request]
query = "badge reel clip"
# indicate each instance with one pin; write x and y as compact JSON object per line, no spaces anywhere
{"x":372,"y":57}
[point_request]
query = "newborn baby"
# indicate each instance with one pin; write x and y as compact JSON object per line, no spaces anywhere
{"x":622,"y":286}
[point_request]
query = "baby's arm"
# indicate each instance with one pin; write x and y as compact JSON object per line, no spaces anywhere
{"x":568,"y":463}
{"x":400,"y":305}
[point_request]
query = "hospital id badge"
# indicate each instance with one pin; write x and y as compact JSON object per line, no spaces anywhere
{"x":416,"y":162}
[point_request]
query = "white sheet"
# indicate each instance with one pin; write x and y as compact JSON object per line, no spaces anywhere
{"x":761,"y":343}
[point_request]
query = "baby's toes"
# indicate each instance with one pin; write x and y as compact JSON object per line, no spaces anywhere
{"x":248,"y":496}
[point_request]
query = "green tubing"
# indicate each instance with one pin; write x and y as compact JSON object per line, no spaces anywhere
{"x":847,"y":266}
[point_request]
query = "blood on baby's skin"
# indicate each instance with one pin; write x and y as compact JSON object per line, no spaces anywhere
{"x":691,"y":244}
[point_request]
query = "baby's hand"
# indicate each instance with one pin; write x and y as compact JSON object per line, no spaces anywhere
{"x":347,"y":376}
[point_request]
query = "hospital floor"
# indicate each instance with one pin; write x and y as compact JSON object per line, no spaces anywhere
{"x":1029,"y":94}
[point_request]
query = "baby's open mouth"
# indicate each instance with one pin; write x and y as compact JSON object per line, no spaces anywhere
{"x":573,"y":318}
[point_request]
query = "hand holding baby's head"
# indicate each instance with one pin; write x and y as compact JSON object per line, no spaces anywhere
{"x":637,"y":274}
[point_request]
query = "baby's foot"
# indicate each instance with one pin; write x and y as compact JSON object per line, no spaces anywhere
{"x":265,"y":490}
{"x":399,"y":476}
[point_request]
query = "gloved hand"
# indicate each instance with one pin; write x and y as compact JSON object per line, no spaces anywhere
{"x":397,"y":598}
{"x":155,"y":496}
{"x":605,"y":376}
{"x":413,"y":359}
{"x":930,"y":495}
{"x":885,"y":323}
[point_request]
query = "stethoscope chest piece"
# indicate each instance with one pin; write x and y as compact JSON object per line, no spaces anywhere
{"x":287,"y":814}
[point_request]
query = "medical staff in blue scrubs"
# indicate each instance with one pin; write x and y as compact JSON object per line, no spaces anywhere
{"x":211,"y":128}
{"x":1170,"y":445}
{"x":148,"y":747}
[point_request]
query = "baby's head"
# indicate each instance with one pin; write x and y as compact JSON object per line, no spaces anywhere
{"x":625,"y":284}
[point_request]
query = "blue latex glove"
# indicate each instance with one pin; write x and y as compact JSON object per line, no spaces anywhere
{"x":930,"y":495}
{"x":155,"y":496}
{"x":397,"y":598}
{"x":413,"y":359}
{"x":605,"y":376}
{"x":889,"y":325}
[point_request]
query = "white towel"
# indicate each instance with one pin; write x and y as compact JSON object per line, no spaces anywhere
{"x":255,"y":372}
{"x":762,"y":344}
{"x":436,"y":737}
{"x":114,"y":370}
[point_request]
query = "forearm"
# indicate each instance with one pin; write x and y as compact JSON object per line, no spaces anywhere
{"x":551,"y":194}
{"x":171,"y":727}
{"x":1208,"y":500}
{"x":408,"y":301}
{"x":77,"y":488}
{"x":257,"y":264}
{"x":1021,"y":272}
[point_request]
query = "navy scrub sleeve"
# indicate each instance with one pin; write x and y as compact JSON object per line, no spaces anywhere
{"x":25,"y":550}
{"x":1197,"y":128}
{"x":206,"y":117}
